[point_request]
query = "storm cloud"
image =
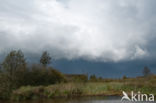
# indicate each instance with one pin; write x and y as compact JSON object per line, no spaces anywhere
{"x":103,"y":30}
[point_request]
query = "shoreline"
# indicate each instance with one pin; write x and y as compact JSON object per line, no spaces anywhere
{"x":71,"y":90}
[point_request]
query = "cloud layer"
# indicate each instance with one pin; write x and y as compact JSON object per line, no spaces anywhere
{"x":105,"y":30}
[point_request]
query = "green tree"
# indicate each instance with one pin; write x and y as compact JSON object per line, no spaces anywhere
{"x":39,"y":75}
{"x":45,"y":58}
{"x":14,"y":67}
{"x":12,"y":73}
{"x":146,"y":71}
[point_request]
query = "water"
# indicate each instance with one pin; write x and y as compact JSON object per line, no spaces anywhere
{"x":108,"y":99}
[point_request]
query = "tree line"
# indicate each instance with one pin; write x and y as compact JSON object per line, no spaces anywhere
{"x":15,"y":72}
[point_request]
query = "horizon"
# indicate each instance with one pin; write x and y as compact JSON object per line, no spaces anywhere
{"x":100,"y":69}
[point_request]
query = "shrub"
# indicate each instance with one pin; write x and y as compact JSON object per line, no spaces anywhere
{"x":93,"y":78}
{"x":40,"y":75}
{"x":27,"y":92}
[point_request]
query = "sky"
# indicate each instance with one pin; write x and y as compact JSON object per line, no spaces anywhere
{"x":91,"y":36}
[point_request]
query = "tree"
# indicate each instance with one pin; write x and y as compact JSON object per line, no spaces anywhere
{"x":45,"y":58}
{"x":38,"y":75}
{"x":146,"y":71}
{"x":14,"y":67}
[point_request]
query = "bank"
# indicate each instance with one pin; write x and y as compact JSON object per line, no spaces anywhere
{"x":69,"y":90}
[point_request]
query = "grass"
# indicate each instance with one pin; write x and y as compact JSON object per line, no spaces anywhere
{"x":114,"y":87}
{"x":57,"y":90}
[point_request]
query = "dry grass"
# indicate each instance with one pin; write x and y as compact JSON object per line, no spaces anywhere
{"x":144,"y":85}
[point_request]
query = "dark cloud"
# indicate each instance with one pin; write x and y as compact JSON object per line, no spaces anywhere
{"x":108,"y":70}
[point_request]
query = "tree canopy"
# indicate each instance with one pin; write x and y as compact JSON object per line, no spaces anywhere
{"x":45,"y":58}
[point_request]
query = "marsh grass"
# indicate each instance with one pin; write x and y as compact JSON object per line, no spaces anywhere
{"x":67,"y":90}
{"x":57,"y":90}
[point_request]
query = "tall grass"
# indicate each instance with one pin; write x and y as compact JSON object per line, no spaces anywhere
{"x":144,"y":85}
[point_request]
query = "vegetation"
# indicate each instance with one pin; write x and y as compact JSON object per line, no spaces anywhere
{"x":146,"y":71}
{"x":76,"y":78}
{"x":18,"y":81}
{"x":39,"y":75}
{"x":115,"y":87}
{"x":93,"y":78}
{"x":15,"y":73}
{"x":57,"y":90}
{"x":45,"y":59}
{"x":12,"y":73}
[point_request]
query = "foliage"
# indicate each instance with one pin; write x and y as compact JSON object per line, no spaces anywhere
{"x":15,"y":73}
{"x":39,"y":75}
{"x":93,"y":78}
{"x":27,"y":92}
{"x":45,"y":58}
{"x":12,"y":73}
{"x":87,"y":89}
{"x":76,"y":77}
{"x":57,"y":90}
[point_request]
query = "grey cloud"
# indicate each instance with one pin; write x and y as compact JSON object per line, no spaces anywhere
{"x":104,"y":30}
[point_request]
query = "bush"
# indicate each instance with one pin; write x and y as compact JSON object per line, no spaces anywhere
{"x":27,"y":92}
{"x":40,"y":75}
{"x":5,"y":90}
{"x":57,"y":90}
{"x":93,"y":78}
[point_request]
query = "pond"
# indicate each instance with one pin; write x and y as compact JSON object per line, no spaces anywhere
{"x":105,"y":99}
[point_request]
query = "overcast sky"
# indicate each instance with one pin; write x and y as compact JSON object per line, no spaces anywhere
{"x":95,"y":30}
